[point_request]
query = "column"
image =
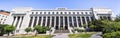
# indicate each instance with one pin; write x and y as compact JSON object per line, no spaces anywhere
{"x":102,"y":17}
{"x":77,"y":22}
{"x":32,"y":22}
{"x":19,"y":22}
{"x":81,"y":20}
{"x":54,"y":21}
{"x":42,"y":21}
{"x":68,"y":21}
{"x":72,"y":21}
{"x":63,"y":22}
{"x":50,"y":20}
{"x":46,"y":21}
{"x":59,"y":22}
{"x":86,"y":22}
{"x":14,"y":24}
{"x":37,"y":20}
{"x":107,"y":17}
{"x":89,"y":18}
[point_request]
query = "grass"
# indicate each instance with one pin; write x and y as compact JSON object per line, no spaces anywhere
{"x":81,"y":35}
{"x":38,"y":36}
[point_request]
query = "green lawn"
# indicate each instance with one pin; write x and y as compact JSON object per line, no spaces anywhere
{"x":39,"y":36}
{"x":81,"y":35}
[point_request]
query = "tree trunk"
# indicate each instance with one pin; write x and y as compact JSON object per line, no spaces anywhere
{"x":27,"y":33}
{"x":36,"y":33}
{"x":8,"y":34}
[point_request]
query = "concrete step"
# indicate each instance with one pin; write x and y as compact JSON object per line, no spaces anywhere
{"x":61,"y":31}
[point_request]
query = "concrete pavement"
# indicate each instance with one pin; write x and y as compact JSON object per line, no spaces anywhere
{"x":97,"y":35}
{"x":62,"y":35}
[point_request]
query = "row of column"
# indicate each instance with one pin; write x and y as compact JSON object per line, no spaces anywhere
{"x":105,"y":17}
{"x":17,"y":21}
{"x":52,"y":22}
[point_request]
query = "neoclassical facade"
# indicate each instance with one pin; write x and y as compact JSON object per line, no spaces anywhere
{"x":56,"y":19}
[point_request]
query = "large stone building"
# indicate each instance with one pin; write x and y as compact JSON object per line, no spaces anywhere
{"x":56,"y":19}
{"x":3,"y":16}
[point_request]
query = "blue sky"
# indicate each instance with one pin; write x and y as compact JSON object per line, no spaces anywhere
{"x":71,"y":4}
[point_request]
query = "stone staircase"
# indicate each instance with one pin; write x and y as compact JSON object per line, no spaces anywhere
{"x":61,"y":31}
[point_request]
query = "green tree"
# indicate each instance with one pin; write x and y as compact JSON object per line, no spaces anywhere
{"x":111,"y":27}
{"x":95,"y":25}
{"x":2,"y":29}
{"x":112,"y":35}
{"x":44,"y":29}
{"x":38,"y":29}
{"x":8,"y":29}
{"x":117,"y":19}
{"x":28,"y":29}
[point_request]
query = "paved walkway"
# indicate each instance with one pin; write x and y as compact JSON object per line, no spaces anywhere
{"x":97,"y":35}
{"x":61,"y":35}
{"x":2,"y":37}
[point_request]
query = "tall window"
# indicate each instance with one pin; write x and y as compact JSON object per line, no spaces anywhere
{"x":77,"y":12}
{"x":70,"y":21}
{"x":57,"y":12}
{"x":48,"y":21}
{"x":36,"y":12}
{"x":75,"y":23}
{"x":48,"y":12}
{"x":79,"y":21}
{"x":69,"y":12}
{"x":44,"y":12}
{"x":86,"y":13}
{"x":61,"y":12}
{"x":73,"y":12}
{"x":53,"y":21}
{"x":65,"y":12}
{"x":40,"y":12}
{"x":90,"y":12}
{"x":32,"y":12}
{"x":52,"y":12}
{"x":39,"y":21}
{"x":44,"y":20}
{"x":81,"y":12}
{"x":35,"y":20}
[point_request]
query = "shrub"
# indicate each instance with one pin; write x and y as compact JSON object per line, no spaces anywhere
{"x":9,"y":28}
{"x":28,"y":29}
{"x":112,"y":35}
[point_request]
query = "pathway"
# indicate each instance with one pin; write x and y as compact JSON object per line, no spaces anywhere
{"x":61,"y":35}
{"x":97,"y":35}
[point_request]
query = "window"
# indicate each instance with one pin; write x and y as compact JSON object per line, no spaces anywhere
{"x":52,"y":12}
{"x":57,"y":12}
{"x":44,"y":12}
{"x":90,"y":12}
{"x":77,"y":12}
{"x":36,"y":12}
{"x":32,"y":12}
{"x":48,"y":12}
{"x":69,"y":12}
{"x":73,"y":12}
{"x":81,"y":12}
{"x":65,"y":12}
{"x":40,"y":12}
{"x":86,"y":13}
{"x":61,"y":12}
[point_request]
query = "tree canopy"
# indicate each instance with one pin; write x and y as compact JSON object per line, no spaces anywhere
{"x":9,"y":28}
{"x":28,"y":29}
